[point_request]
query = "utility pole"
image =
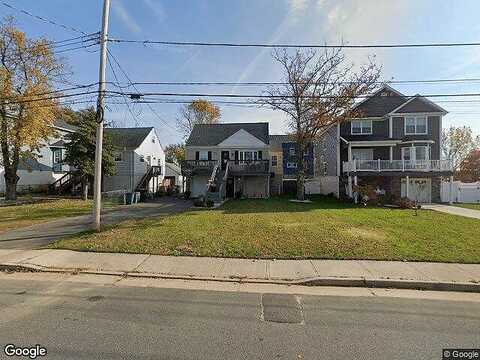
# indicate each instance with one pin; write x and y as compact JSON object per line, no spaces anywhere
{"x":97,"y":188}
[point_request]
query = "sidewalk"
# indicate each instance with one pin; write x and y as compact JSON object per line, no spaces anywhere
{"x":361,"y":273}
{"x":454,"y":210}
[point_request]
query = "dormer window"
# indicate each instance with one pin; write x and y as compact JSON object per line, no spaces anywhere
{"x":361,"y":127}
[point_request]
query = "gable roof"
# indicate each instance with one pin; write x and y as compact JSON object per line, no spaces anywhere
{"x":381,"y":102}
{"x":387,"y":100}
{"x":214,"y":134}
{"x":419,"y":104}
{"x":128,"y":138}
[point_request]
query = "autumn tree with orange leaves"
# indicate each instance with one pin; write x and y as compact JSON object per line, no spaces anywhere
{"x":28,"y":68}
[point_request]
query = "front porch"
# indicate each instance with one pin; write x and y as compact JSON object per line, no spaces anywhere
{"x":419,"y":187}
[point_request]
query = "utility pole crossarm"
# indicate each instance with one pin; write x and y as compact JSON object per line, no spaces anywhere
{"x":97,"y":189}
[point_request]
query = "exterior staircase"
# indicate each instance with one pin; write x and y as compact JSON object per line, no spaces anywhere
{"x":152,"y":172}
{"x":69,"y":183}
{"x":216,"y":186}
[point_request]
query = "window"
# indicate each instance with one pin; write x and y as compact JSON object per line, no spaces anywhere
{"x":248,"y":155}
{"x":419,"y":153}
{"x":118,"y":156}
{"x":203,"y":155}
{"x":361,"y":127}
{"x":362,"y":154}
{"x":291,"y":165}
{"x":274,"y":160}
{"x":57,"y":156}
{"x":292,"y":151}
{"x":415,"y":125}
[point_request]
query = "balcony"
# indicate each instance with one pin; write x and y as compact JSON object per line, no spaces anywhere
{"x":253,"y":167}
{"x":398,"y":166}
{"x":191,"y":167}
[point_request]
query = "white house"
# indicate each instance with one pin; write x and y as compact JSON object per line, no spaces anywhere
{"x":139,"y":160}
{"x":37,"y":174}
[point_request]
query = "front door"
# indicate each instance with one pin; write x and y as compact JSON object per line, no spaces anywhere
{"x":230,"y":188}
{"x":225,"y":158}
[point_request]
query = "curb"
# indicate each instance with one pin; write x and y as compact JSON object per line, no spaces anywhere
{"x":316,"y":281}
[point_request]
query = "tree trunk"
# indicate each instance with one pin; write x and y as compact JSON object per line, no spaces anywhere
{"x":11,"y":181}
{"x":300,"y":172}
{"x":84,"y":190}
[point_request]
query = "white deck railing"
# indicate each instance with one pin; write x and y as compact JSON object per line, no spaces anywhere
{"x":397,"y":165}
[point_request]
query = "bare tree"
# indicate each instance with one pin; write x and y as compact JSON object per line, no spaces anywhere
{"x":197,"y":112}
{"x":318,"y":92}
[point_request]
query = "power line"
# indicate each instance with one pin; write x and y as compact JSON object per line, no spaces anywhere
{"x":134,"y":118}
{"x":256,"y":96}
{"x":267,"y":83}
{"x":132,"y":84}
{"x":298,"y":46}
{"x":41,"y":18}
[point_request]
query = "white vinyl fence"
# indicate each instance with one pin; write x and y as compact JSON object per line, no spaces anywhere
{"x":461,"y":192}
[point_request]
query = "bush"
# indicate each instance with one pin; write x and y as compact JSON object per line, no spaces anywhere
{"x":209,"y":203}
{"x":187,"y":195}
{"x":405,"y":203}
{"x":199,"y":202}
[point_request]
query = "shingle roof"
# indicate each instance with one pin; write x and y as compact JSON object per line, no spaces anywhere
{"x":279,"y":139}
{"x":128,"y":138}
{"x":419,"y":105}
{"x":59,"y":123}
{"x":381,"y":103}
{"x":214,"y":134}
{"x":173,"y":167}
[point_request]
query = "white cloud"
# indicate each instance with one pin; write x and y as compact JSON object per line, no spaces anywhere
{"x":127,"y":20}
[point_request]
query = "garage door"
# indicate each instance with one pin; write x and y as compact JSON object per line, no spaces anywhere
{"x":419,"y":190}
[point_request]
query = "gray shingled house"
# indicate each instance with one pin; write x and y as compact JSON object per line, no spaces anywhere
{"x":394,"y":145}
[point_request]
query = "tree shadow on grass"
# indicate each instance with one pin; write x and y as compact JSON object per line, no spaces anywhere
{"x":283,"y":204}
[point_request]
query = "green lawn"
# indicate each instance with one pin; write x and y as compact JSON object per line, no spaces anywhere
{"x":469,"y":206}
{"x":276,"y":228}
{"x":12,"y":217}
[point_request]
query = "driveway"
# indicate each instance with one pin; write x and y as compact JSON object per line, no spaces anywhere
{"x":454,"y":210}
{"x":40,"y":235}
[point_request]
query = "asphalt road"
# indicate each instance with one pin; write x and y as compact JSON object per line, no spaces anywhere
{"x":40,"y":235}
{"x":75,"y":320}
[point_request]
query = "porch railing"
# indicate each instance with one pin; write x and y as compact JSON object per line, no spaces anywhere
{"x":252,"y":167}
{"x":398,"y":165}
{"x":189,"y":166}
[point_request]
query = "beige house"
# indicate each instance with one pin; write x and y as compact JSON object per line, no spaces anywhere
{"x":228,"y":160}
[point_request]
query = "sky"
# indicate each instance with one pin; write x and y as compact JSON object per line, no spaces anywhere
{"x":263,"y":21}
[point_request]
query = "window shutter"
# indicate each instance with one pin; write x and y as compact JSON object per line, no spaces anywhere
{"x":197,"y":155}
{"x":209,"y":155}
{"x":236,"y":155}
{"x":260,"y":155}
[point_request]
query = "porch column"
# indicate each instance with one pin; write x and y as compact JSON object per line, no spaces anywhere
{"x":349,"y":152}
{"x":407,"y":187}
{"x":391,"y":153}
{"x":355,"y":182}
{"x":350,"y":190}
{"x":268,"y":186}
{"x":451,"y":190}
